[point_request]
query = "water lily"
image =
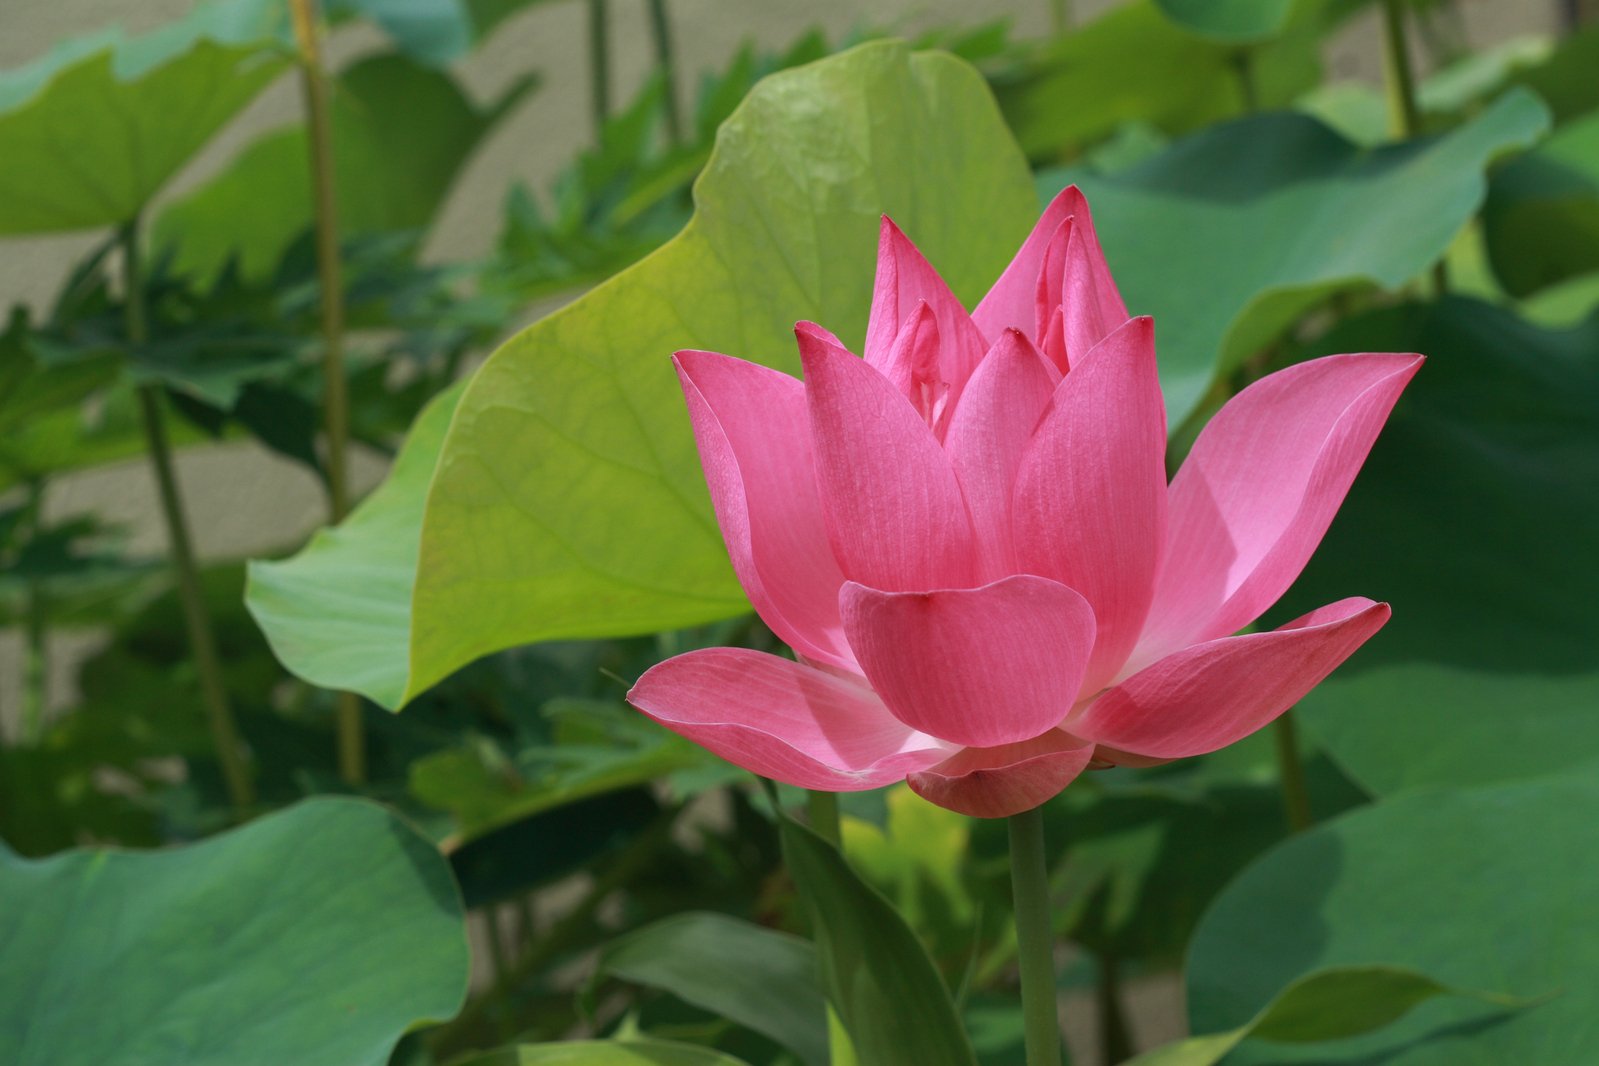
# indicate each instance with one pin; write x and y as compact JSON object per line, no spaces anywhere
{"x":968,"y":539}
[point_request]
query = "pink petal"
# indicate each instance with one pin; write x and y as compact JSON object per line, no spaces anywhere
{"x":754,"y":438}
{"x":1090,"y":494}
{"x":893,"y":508}
{"x":982,"y":667}
{"x":999,"y":782}
{"x":911,"y":366}
{"x":1208,"y":696}
{"x":1259,"y":489}
{"x":904,"y":279}
{"x":1012,"y":302}
{"x":987,"y":435}
{"x":783,"y":720}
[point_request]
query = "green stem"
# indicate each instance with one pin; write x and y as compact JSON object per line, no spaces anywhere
{"x":1115,"y":1035}
{"x":1062,"y":12}
{"x":335,"y":393}
{"x":821,"y":810}
{"x":1029,"y":875}
{"x":1291,"y":772}
{"x":1404,"y":109}
{"x":36,"y":671}
{"x":666,"y":56}
{"x":599,"y":65}
{"x":202,"y":642}
{"x":1243,"y":64}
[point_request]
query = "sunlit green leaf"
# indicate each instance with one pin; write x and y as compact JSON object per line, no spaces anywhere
{"x":1485,"y":889}
{"x":569,"y":499}
{"x":603,"y":1053}
{"x":316,"y":936}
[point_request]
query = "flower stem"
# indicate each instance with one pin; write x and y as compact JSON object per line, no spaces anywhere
{"x":821,"y":810}
{"x":1115,"y":1035}
{"x":202,"y":642}
{"x":665,"y":55}
{"x":335,"y":397}
{"x":1291,"y":773}
{"x":1029,"y":875}
{"x":36,"y":678}
{"x":1404,"y":110}
{"x":599,"y":65}
{"x":1061,"y":15}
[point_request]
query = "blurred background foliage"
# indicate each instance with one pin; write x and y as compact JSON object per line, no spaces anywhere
{"x":1267,"y":183}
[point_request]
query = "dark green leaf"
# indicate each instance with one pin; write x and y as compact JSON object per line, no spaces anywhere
{"x":1541,"y":220}
{"x":877,"y":975}
{"x":1472,"y":517}
{"x":759,"y":978}
{"x":317,"y":936}
{"x":1481,"y":889}
{"x":1235,"y":21}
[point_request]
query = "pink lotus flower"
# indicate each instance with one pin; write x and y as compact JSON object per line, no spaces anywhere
{"x":968,"y":539}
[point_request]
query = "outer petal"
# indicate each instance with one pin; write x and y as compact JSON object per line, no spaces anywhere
{"x":1090,"y":494}
{"x":894,"y":510}
{"x":999,"y":782}
{"x":980,"y":667}
{"x":1260,"y":488}
{"x":1012,"y":302}
{"x":783,"y":720}
{"x":754,"y":437}
{"x":904,"y":278}
{"x":1208,"y":696}
{"x":987,"y":435}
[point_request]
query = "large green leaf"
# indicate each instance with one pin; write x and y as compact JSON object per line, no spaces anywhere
{"x":401,"y":133}
{"x":1541,"y":220}
{"x":1474,"y":517}
{"x":569,"y":499}
{"x":1486,"y":889}
{"x":91,"y":131}
{"x":317,"y":936}
{"x":1126,"y":62}
{"x":603,"y":1053}
{"x":1229,"y":20}
{"x":759,"y":978}
{"x":1231,"y":234}
{"x":877,"y":975}
{"x":339,"y":613}
{"x":1330,"y":1004}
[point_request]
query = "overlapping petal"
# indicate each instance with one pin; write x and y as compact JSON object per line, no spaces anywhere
{"x":784,"y":720}
{"x":999,"y":782}
{"x":1087,"y":289}
{"x":1209,"y":695}
{"x":893,"y":507}
{"x":987,"y":435}
{"x":1260,"y":488}
{"x":754,"y":437}
{"x":1089,"y":503}
{"x":982,"y":667}
{"x":904,"y":279}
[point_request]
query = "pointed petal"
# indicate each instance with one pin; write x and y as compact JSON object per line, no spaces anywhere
{"x":754,"y":439}
{"x":999,"y":782}
{"x":1088,"y":290}
{"x":911,"y":365}
{"x":1212,"y":694}
{"x":893,"y":508}
{"x":905,"y":278}
{"x":984,"y":666}
{"x":987,"y":435}
{"x":1090,"y":494}
{"x":783,"y":720}
{"x":1260,"y":488}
